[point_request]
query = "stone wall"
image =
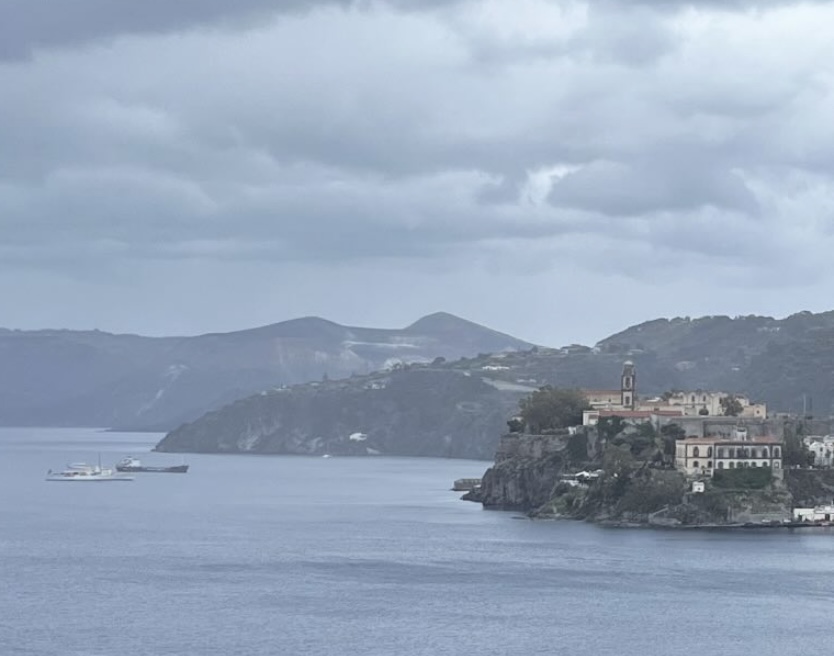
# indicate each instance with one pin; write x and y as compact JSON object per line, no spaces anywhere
{"x":523,"y":445}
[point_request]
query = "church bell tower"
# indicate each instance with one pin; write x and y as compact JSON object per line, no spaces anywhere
{"x":628,"y":385}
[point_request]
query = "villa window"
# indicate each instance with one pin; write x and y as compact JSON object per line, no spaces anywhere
{"x":709,"y":464}
{"x":754,"y":464}
{"x":709,"y":452}
{"x":720,"y":465}
{"x":764,"y":452}
{"x":776,"y":452}
{"x":695,"y":464}
{"x":732,"y":465}
{"x":696,"y":452}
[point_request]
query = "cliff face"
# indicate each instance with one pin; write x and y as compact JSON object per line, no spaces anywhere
{"x":528,"y":469}
{"x":633,"y":487}
{"x":525,"y":473}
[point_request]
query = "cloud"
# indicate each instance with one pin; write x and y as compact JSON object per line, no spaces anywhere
{"x":538,"y":139}
{"x":25,"y":26}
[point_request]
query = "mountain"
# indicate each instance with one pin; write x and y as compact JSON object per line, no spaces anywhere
{"x":420,"y":411}
{"x":93,"y":378}
{"x":788,"y":363}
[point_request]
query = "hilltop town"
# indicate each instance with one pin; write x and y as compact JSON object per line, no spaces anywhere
{"x":683,"y":458}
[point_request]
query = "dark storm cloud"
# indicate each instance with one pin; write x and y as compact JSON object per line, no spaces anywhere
{"x":387,"y":132}
{"x":28,"y":24}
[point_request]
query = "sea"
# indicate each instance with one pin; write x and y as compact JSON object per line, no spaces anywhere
{"x":256,"y":555}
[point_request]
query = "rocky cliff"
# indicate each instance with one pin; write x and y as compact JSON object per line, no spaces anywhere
{"x":528,"y":468}
{"x":633,"y":488}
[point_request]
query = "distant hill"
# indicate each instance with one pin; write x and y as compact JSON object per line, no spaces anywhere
{"x":788,"y":363}
{"x":92,"y":378}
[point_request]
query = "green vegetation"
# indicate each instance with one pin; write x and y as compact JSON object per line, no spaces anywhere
{"x":795,"y":453}
{"x":630,"y":487}
{"x":748,"y":478}
{"x":551,"y":408}
{"x":609,"y":427}
{"x":641,"y":441}
{"x":578,"y":447}
{"x":731,"y":406}
{"x":670,"y":434}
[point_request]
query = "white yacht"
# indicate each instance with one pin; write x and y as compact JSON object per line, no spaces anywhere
{"x":78,"y":472}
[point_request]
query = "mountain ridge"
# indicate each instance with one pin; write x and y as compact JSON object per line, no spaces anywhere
{"x":788,"y":363}
{"x":91,"y":377}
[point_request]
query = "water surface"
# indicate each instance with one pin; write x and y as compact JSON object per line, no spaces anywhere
{"x":292,"y":555}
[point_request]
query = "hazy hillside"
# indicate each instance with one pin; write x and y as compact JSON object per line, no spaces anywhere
{"x":420,"y":412}
{"x":787,"y":363}
{"x":62,"y":377}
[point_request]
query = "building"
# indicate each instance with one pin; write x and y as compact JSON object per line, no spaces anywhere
{"x":628,"y":385}
{"x":654,"y":417}
{"x":816,"y":514}
{"x":620,"y":400}
{"x":697,"y":403}
{"x":822,"y":446}
{"x":603,"y":399}
{"x":703,"y":456}
{"x":701,"y":402}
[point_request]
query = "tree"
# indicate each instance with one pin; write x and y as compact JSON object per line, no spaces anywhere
{"x":640,"y":440}
{"x":731,"y":406}
{"x":515,"y":425}
{"x":550,"y":408}
{"x":609,"y":427}
{"x":796,"y":453}
{"x":671,"y":433}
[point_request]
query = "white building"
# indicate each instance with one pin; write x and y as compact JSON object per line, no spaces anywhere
{"x":703,"y":456}
{"x":816,"y":514}
{"x":692,"y":403}
{"x":701,"y":402}
{"x":822,"y":446}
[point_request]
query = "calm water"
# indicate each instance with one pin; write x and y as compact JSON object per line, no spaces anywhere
{"x":274,"y":555}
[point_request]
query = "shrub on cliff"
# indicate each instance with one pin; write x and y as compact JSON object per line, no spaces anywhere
{"x":748,"y":478}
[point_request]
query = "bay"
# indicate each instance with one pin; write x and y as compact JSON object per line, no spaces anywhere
{"x":337,"y":556}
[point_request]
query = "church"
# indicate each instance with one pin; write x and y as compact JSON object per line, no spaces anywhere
{"x":625,"y":403}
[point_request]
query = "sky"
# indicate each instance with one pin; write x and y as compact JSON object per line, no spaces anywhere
{"x":555,"y":170}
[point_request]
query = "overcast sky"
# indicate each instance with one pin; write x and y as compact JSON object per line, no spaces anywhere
{"x":556,"y":170}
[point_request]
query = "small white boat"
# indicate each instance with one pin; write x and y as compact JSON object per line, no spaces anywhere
{"x":79,"y":472}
